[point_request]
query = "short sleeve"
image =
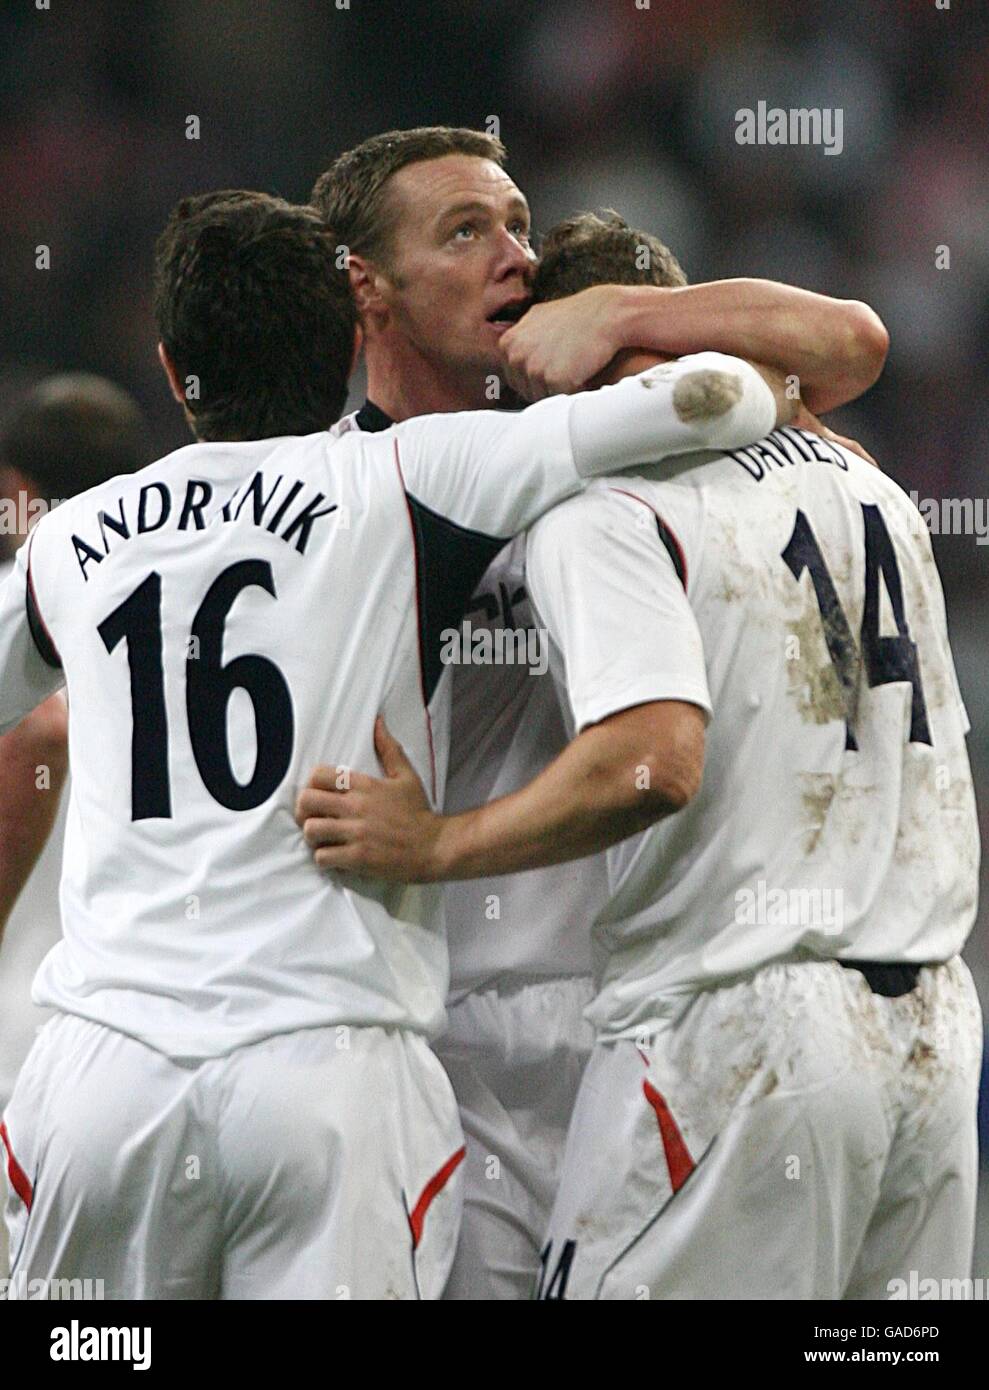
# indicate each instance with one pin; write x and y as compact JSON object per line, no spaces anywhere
{"x":26,"y":675}
{"x":606,"y":576}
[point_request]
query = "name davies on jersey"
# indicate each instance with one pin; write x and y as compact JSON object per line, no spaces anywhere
{"x":154,"y":505}
{"x":784,"y":448}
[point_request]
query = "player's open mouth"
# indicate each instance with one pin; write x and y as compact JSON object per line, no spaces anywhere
{"x":509,"y":313}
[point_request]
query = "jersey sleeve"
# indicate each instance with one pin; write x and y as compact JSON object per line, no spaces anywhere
{"x":496,"y":472}
{"x":607,"y":578}
{"x":30,"y":670}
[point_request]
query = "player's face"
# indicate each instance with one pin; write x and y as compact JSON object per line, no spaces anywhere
{"x":461,"y":260}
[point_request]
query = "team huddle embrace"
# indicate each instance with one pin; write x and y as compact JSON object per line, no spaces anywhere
{"x":628,"y":973}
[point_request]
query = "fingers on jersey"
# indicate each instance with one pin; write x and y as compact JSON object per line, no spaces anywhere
{"x":339,"y":778}
{"x":320,"y":830}
{"x":344,"y":848}
{"x":314,"y":804}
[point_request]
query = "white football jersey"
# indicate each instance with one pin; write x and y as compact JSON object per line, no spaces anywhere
{"x":228,"y":618}
{"x":790,"y":588}
{"x":506,"y":725}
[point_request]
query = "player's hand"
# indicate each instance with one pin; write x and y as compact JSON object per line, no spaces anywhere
{"x":375,"y":827}
{"x":557,"y":347}
{"x":806,"y":421}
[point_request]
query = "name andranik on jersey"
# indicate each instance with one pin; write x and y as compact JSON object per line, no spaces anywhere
{"x":288,"y":508}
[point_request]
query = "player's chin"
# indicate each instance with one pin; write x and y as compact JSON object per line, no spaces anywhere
{"x":480,"y":353}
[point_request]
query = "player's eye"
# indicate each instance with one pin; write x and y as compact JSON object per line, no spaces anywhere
{"x":465,"y":227}
{"x":520,"y":230}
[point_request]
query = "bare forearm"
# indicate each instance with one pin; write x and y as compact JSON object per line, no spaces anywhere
{"x":567,"y":812}
{"x":607,"y":784}
{"x":613,"y":780}
{"x":29,"y":802}
{"x":22,"y":846}
{"x":836,"y":348}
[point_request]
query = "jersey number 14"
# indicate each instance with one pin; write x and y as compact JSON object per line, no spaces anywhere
{"x":887,"y":659}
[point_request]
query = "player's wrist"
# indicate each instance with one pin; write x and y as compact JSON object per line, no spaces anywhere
{"x":641,"y":312}
{"x":459,"y":847}
{"x":442,"y":846}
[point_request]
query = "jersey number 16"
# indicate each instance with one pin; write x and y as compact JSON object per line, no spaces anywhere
{"x":209,"y":685}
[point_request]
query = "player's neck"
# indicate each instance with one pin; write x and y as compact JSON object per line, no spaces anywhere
{"x":404,"y":383}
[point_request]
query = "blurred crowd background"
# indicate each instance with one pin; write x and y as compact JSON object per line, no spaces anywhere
{"x":601,"y":103}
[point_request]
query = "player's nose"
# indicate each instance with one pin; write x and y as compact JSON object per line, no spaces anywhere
{"x":513,"y":256}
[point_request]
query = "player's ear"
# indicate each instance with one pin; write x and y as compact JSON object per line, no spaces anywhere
{"x":171,"y":373}
{"x":365,"y":279}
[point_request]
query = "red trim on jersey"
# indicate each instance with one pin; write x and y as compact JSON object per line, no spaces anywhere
{"x":664,"y":524}
{"x":435,"y":1185}
{"x":34,"y":600}
{"x":422,"y":671}
{"x":678,"y":1159}
{"x":19,"y":1180}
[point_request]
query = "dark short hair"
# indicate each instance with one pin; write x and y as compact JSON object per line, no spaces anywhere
{"x":72,"y":432}
{"x":249,"y":300}
{"x":352,"y":194}
{"x":591,"y":250}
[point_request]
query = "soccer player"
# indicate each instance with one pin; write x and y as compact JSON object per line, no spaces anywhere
{"x":441,"y":264}
{"x":236,"y":1097}
{"x":66,"y":434}
{"x":782,"y":1099}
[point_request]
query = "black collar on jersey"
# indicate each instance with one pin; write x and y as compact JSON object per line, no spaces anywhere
{"x":449,"y":560}
{"x":371,"y":418}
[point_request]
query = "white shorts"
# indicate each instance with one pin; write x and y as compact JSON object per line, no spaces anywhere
{"x":320,"y":1164}
{"x":515,"y":1060}
{"x":795,"y":1136}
